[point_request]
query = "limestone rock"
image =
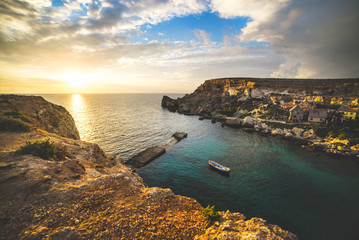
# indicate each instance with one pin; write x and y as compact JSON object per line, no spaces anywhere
{"x":277,"y":131}
{"x":355,"y":148}
{"x":234,"y":122}
{"x":310,"y":134}
{"x":297,"y":132}
{"x":248,"y":121}
{"x":179,"y":136}
{"x":42,"y":114}
{"x":234,"y":226}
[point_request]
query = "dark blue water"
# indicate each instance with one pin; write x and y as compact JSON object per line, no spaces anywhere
{"x":315,"y":197}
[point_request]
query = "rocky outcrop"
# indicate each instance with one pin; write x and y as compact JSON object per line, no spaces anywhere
{"x":42,"y":114}
{"x":216,"y":96}
{"x":234,"y":226}
{"x":84,"y":193}
{"x":179,"y":136}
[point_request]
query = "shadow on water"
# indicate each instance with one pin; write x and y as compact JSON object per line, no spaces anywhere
{"x":225,"y":174}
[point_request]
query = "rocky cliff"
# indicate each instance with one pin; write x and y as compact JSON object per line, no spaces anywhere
{"x":216,"y":95}
{"x":83,"y":193}
{"x":41,"y":114}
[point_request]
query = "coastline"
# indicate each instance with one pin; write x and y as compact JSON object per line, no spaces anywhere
{"x":81,"y":192}
{"x":246,"y":102}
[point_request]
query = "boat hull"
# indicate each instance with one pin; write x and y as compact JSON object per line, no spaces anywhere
{"x":218,"y":167}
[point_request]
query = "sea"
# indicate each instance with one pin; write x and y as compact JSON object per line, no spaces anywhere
{"x":315,"y":197}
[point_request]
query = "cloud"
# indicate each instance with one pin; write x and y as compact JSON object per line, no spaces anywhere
{"x":305,"y":39}
{"x":317,"y":38}
{"x":202,"y":36}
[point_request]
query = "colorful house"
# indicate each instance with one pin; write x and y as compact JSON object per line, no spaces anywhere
{"x":317,"y":115}
{"x":307,"y":105}
{"x":349,"y":112}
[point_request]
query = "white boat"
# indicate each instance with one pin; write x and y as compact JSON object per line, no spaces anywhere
{"x":218,"y":166}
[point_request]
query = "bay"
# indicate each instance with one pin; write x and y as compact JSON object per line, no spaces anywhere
{"x":314,"y":197}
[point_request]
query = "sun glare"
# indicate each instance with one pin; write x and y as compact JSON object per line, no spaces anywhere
{"x":76,"y":79}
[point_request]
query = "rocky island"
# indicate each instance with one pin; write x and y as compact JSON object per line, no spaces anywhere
{"x":319,"y":114}
{"x":55,"y":186}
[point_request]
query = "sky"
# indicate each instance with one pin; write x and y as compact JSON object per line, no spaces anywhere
{"x":164,"y":46}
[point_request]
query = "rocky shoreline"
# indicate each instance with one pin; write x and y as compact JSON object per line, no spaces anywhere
{"x":80,"y":192}
{"x":233,"y":103}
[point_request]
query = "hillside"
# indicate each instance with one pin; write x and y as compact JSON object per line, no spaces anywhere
{"x":79,"y":192}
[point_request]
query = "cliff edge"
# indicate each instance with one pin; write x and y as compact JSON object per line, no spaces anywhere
{"x":79,"y":192}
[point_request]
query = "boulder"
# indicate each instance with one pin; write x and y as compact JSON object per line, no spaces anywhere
{"x":179,"y":136}
{"x":248,"y":122}
{"x":297,"y":132}
{"x":277,"y":131}
{"x":288,"y":135}
{"x":310,"y":134}
{"x":234,"y":122}
{"x":239,"y":113}
{"x":355,"y":148}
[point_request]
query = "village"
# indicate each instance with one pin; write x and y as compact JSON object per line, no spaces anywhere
{"x":329,"y":125}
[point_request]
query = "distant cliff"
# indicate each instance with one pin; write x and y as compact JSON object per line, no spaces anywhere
{"x":215,"y":95}
{"x":80,"y":192}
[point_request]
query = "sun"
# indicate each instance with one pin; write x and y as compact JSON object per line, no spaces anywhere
{"x":76,"y":79}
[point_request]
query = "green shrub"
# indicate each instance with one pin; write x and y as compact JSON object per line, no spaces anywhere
{"x":44,"y":149}
{"x":17,"y":115}
{"x":210,"y":213}
{"x":14,"y":125}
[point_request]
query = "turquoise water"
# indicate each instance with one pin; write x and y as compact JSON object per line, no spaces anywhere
{"x":315,"y":197}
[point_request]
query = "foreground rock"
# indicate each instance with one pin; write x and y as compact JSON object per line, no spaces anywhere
{"x":84,"y":193}
{"x":146,"y":156}
{"x":179,"y":136}
{"x":233,"y":226}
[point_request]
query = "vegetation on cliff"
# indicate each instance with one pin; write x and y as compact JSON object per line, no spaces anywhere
{"x":14,"y":125}
{"x":44,"y":149}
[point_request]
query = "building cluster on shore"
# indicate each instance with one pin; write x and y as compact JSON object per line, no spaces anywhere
{"x":324,"y":112}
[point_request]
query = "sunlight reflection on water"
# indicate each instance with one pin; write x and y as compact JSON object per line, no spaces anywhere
{"x":79,"y":112}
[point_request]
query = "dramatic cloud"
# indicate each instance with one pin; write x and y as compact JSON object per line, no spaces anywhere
{"x":114,"y":41}
{"x":317,"y":38}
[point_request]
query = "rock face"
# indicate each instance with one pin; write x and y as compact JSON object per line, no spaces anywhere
{"x":234,"y":226}
{"x":217,"y":95}
{"x":85,"y":193}
{"x":42,"y":114}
